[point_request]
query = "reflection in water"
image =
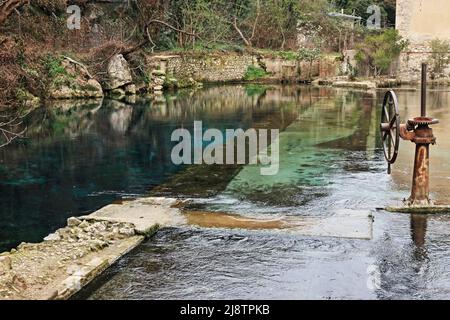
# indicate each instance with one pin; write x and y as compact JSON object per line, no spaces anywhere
{"x":418,"y":229}
{"x":81,"y":156}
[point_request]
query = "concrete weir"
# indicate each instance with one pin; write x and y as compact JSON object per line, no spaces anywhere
{"x":73,"y":256}
{"x":70,"y":258}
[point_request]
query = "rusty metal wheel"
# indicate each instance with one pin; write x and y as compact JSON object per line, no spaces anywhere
{"x":390,"y":128}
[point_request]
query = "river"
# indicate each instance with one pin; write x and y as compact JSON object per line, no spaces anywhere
{"x":81,"y":156}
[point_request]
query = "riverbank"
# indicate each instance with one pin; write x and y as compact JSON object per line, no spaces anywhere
{"x":121,"y":72}
{"x":138,"y":73}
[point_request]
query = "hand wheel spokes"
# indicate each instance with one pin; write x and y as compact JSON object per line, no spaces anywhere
{"x":389,"y":127}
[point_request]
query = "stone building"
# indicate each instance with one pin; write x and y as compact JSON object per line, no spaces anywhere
{"x":421,"y":21}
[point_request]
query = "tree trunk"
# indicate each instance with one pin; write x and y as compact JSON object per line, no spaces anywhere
{"x":247,"y":43}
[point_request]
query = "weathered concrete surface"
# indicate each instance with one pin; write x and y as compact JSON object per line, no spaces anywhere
{"x":143,"y":213}
{"x":71,"y":257}
{"x":343,"y":223}
{"x":437,"y":209}
{"x":365,"y":85}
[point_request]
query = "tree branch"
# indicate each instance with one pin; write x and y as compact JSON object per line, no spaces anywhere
{"x":8,"y":132}
{"x":9,"y":6}
{"x":258,"y":11}
{"x":148,"y":39}
{"x":247,"y":43}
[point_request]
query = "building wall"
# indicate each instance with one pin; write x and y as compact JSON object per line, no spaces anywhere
{"x":423,"y":20}
{"x":420,"y":21}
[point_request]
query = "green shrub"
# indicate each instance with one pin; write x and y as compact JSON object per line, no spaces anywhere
{"x":54,"y":66}
{"x":309,"y":54}
{"x":254,"y":73}
{"x":380,"y":50}
{"x":439,"y":57}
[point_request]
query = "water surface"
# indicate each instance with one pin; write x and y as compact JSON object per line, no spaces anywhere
{"x":80,"y":157}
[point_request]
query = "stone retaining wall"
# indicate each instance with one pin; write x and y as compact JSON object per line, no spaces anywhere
{"x":186,"y":70}
{"x":410,"y":61}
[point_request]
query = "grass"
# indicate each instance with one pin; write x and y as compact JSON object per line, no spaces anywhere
{"x":254,"y":73}
{"x":54,"y":66}
{"x":57,"y":74}
{"x":287,"y":55}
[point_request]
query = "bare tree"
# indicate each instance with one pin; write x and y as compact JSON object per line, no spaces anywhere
{"x":247,"y":40}
{"x":11,"y":127}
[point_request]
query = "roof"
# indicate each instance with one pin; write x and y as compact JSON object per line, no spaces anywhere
{"x":344,"y":16}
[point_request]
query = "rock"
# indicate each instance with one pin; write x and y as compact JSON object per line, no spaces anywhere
{"x":5,"y":264}
{"x":98,"y":244}
{"x":73,"y":222}
{"x":117,"y":93}
{"x":19,"y":282}
{"x":52,"y":237}
{"x":64,"y":233}
{"x":158,"y":73}
{"x":27,"y":98}
{"x":72,"y":269}
{"x":158,"y":82}
{"x":158,"y":88}
{"x":127,"y":231}
{"x":22,"y":246}
{"x":130,"y":99}
{"x":119,"y":73}
{"x":141,"y":87}
{"x":84,"y":224}
{"x":100,"y":226}
{"x":130,"y":89}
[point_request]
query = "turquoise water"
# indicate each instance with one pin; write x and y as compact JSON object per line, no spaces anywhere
{"x":330,"y":160}
{"x":81,"y":156}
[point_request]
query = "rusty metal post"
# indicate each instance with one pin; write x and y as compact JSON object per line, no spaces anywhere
{"x":421,"y":177}
{"x":422,"y":137}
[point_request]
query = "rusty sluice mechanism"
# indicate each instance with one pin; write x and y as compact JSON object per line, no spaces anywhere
{"x":418,"y":131}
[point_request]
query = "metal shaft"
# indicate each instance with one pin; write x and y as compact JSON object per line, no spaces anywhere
{"x":423,"y":104}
